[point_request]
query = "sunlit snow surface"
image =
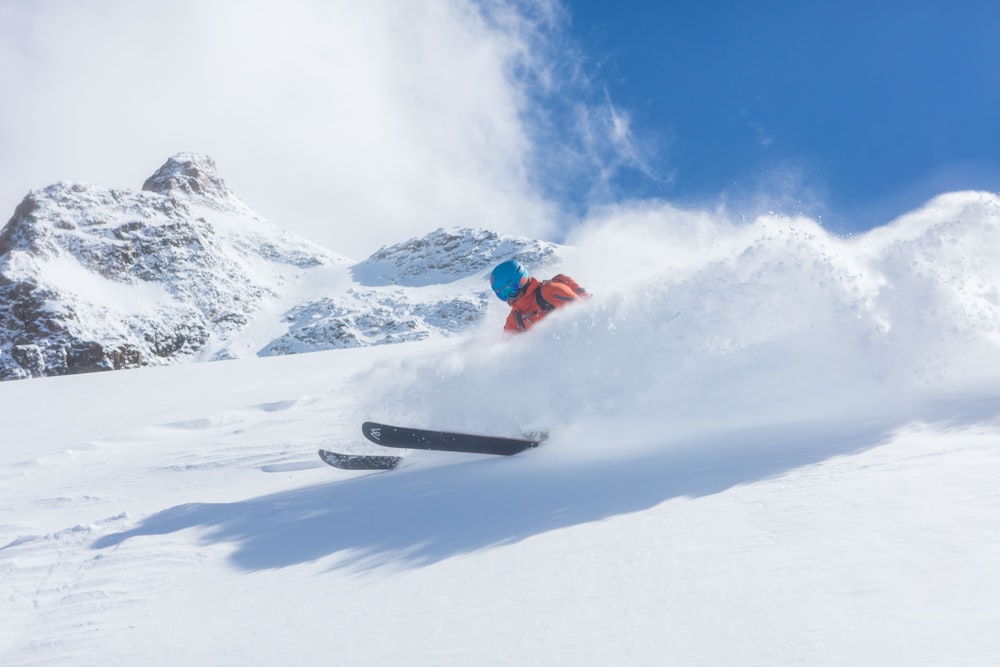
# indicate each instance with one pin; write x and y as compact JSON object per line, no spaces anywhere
{"x":768,"y":446}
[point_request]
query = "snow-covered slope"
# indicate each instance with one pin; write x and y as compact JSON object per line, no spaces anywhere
{"x":435,"y":285}
{"x":768,"y":447}
{"x":447,"y":256}
{"x":93,"y":279}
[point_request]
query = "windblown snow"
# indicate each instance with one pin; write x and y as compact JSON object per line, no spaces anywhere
{"x":768,"y":446}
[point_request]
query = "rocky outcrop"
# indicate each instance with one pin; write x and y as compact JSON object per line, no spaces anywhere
{"x":446,"y":255}
{"x":190,"y":175}
{"x":93,"y":279}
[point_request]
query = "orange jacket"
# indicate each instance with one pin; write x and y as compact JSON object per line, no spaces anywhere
{"x":529,"y":309}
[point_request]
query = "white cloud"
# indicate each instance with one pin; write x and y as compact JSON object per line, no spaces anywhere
{"x":352,"y":123}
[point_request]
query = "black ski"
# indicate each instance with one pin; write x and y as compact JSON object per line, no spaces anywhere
{"x":444,"y":441}
{"x":359,"y":461}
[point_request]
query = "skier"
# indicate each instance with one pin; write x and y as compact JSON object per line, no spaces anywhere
{"x":531,"y":299}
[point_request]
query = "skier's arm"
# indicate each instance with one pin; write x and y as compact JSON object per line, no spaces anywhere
{"x":558,"y":294}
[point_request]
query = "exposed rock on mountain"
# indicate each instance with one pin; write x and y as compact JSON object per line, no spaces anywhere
{"x":432,"y":285}
{"x":359,"y":317}
{"x":93,"y":278}
{"x":448,"y":255}
{"x":188,"y":175}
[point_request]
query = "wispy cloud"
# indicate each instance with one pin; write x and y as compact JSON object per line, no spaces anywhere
{"x":764,"y":137}
{"x":355,"y":124}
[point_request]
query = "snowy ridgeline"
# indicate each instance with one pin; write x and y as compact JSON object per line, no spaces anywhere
{"x":95,"y":279}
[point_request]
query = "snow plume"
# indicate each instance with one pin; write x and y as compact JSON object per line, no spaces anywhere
{"x":399,"y":117}
{"x":782,"y":321}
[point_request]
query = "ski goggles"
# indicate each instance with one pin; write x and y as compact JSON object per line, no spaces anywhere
{"x":511,"y":290}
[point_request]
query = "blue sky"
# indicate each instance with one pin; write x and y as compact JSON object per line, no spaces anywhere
{"x":852,"y":111}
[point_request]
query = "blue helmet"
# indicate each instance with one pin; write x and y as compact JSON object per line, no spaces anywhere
{"x":508,"y":279}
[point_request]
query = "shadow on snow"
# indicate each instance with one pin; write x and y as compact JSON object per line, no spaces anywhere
{"x":420,"y":515}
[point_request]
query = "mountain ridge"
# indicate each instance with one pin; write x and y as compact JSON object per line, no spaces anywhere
{"x":95,"y":278}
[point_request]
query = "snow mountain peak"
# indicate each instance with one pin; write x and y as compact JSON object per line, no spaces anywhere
{"x":93,"y":278}
{"x":191,"y":175}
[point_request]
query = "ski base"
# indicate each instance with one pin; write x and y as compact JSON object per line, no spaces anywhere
{"x":359,"y":461}
{"x":444,"y":441}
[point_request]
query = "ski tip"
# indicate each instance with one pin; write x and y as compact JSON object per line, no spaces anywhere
{"x":359,"y":461}
{"x":373,"y":431}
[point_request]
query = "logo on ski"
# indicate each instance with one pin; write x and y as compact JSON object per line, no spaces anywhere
{"x":376,"y":434}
